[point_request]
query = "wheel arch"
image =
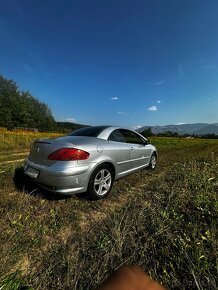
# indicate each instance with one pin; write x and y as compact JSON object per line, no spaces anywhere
{"x":108,"y":163}
{"x":155,"y":153}
{"x":91,"y":187}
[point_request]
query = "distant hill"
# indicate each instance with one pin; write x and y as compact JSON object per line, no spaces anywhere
{"x":66,"y":127}
{"x":196,"y":129}
{"x":210,"y":129}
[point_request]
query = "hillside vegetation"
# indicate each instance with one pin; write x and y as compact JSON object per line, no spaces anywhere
{"x":164,"y":221}
{"x":20,"y":140}
{"x":19,"y":108}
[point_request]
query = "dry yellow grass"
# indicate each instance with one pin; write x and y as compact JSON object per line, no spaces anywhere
{"x":19,"y":140}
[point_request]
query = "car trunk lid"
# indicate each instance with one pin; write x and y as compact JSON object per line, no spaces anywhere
{"x":41,"y":149}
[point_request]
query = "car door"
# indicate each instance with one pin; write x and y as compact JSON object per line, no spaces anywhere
{"x":140,"y":152}
{"x":120,"y":152}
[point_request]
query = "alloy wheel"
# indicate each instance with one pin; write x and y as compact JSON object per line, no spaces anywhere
{"x":102,"y":182}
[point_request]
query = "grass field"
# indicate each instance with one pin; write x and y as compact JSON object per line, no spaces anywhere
{"x":164,"y":221}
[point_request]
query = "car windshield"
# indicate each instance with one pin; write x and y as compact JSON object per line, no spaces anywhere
{"x":89,"y":131}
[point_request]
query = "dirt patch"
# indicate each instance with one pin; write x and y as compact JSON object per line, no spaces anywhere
{"x":23,"y":265}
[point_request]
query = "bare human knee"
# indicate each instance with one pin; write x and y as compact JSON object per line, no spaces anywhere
{"x":129,"y":278}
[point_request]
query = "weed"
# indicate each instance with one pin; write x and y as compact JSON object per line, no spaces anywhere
{"x":12,"y":282}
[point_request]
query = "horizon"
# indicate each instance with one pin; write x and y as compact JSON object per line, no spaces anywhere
{"x":96,"y":62}
{"x":139,"y":127}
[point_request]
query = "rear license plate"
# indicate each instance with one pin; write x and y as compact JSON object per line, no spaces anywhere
{"x":32,"y":172}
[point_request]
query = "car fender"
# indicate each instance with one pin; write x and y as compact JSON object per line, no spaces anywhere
{"x":101,"y":160}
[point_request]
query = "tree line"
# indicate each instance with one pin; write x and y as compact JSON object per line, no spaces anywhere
{"x":20,"y":109}
{"x":148,"y":133}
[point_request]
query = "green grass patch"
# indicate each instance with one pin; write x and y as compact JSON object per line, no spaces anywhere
{"x":12,"y":282}
{"x":164,"y":221}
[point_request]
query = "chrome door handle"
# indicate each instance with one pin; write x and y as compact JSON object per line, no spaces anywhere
{"x":132,"y":149}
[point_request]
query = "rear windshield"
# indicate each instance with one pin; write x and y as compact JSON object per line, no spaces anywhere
{"x":89,"y":131}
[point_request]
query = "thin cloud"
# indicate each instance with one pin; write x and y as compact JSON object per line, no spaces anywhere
{"x":152,"y":108}
{"x":137,"y":127}
{"x":180,"y":72}
{"x":114,"y":98}
{"x":158,"y":83}
{"x":70,"y":120}
{"x":124,"y":113}
{"x":35,"y":57}
{"x":208,"y":66}
{"x":159,"y":102}
{"x":28,"y":68}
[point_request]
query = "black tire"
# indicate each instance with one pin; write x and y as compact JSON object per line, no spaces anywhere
{"x":101,"y":182}
{"x":153,"y":162}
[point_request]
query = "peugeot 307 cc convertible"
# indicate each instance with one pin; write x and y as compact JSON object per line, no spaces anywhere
{"x":89,"y":159}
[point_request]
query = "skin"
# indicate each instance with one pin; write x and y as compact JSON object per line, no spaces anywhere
{"x":129,"y":278}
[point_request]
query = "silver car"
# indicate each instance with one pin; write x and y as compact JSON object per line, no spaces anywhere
{"x":89,"y":159}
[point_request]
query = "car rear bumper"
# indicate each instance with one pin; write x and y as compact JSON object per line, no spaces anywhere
{"x":65,"y":181}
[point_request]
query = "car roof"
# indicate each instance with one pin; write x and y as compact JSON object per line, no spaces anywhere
{"x":105,"y":131}
{"x":108,"y":129}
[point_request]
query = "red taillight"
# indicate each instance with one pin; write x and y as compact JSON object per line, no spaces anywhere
{"x":68,"y":154}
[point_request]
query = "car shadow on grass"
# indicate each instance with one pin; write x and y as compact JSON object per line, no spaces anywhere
{"x":25,"y":184}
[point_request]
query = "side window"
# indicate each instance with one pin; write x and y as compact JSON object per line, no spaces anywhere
{"x":132,"y":137}
{"x":117,"y":136}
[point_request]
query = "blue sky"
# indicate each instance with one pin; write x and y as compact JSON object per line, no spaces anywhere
{"x":119,"y":62}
